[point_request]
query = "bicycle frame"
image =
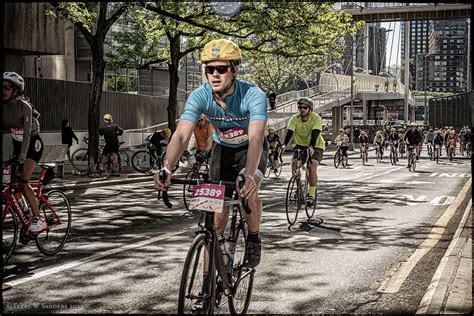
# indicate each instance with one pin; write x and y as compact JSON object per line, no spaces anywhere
{"x":10,"y":202}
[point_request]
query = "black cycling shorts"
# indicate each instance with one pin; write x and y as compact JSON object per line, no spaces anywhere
{"x":35,"y":150}
{"x":110,"y":149}
{"x":226,"y":162}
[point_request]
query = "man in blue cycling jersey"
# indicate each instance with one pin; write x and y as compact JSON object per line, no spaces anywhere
{"x":238,"y":112}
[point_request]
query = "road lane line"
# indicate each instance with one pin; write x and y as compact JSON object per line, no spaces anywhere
{"x":82,"y":261}
{"x":427,"y":299}
{"x":379,"y":174}
{"x":393,"y":283}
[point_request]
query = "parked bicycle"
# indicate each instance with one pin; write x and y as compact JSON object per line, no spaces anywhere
{"x":215,"y":274}
{"x":53,"y":206}
{"x":199,"y":171}
{"x":272,"y":162}
{"x":80,"y":158}
{"x":339,"y":157}
{"x":411,"y":158}
{"x":296,"y":193}
{"x":147,"y":159}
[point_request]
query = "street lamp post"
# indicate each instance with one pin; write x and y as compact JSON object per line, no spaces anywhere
{"x":351,"y":146}
{"x":332,"y":71}
{"x":425,"y":112}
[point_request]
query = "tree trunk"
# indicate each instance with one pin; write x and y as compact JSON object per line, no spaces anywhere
{"x":95,"y":94}
{"x":174,"y":81}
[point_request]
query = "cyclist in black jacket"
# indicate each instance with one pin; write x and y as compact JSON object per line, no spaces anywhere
{"x":110,"y":131}
{"x":413,"y":137}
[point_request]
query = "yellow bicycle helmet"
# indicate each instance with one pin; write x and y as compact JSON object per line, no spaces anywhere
{"x":271,"y":130}
{"x":221,"y":49}
{"x":167,"y":132}
{"x":107,"y":117}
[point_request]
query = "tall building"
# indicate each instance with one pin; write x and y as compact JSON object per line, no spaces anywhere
{"x":377,"y":59}
{"x":439,"y":53}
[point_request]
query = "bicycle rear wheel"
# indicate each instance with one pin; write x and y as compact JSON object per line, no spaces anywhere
{"x":293,"y":200}
{"x":242,"y":277}
{"x":142,"y":161}
{"x":57,"y":214}
{"x":80,"y":160}
{"x":9,"y":233}
{"x":197,"y":294}
{"x":345,"y":160}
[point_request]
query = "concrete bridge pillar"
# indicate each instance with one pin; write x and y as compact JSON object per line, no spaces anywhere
{"x":365,"y":112}
{"x":412,"y":115}
{"x":337,"y":119}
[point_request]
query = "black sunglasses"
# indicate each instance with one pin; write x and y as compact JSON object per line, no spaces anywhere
{"x":303,"y":107}
{"x":220,"y":69}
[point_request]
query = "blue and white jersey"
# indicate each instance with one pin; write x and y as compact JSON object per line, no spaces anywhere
{"x":247,"y":103}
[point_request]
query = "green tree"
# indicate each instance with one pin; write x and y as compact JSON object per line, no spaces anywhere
{"x":304,"y":33}
{"x":93,"y":20}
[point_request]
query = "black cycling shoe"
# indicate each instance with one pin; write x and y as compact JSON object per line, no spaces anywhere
{"x":253,"y":251}
{"x":310,"y":201}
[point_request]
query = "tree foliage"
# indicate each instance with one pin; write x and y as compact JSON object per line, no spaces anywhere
{"x":93,"y":20}
{"x":282,"y":42}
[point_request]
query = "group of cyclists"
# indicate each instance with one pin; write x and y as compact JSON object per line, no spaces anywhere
{"x":228,"y":118}
{"x":435,"y":139}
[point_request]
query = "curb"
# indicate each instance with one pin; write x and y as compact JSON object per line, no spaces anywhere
{"x":450,"y":289}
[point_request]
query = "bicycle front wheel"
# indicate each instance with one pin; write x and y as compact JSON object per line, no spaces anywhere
{"x":124,"y":159}
{"x":310,"y":210}
{"x":197,"y":292}
{"x":57,"y":213}
{"x":80,"y":160}
{"x":142,"y":161}
{"x":278,"y":171}
{"x":293,"y":200}
{"x":336,"y":160}
{"x":188,"y":188}
{"x":9,"y":234}
{"x":242,"y":277}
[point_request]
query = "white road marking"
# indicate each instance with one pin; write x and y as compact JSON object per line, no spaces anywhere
{"x":379,"y":174}
{"x":82,"y":261}
{"x":395,"y":281}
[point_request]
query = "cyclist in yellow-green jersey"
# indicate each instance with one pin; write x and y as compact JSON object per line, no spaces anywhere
{"x":305,"y":130}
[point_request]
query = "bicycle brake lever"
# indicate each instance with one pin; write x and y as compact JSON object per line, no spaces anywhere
{"x":166,"y":200}
{"x":245,"y":202}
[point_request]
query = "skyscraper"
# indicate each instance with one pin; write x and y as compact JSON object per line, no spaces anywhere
{"x":438,"y":50}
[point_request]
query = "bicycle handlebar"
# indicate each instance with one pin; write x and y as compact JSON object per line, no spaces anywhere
{"x":228,"y":184}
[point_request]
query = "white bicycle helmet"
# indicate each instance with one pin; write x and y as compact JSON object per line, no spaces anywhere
{"x":14,"y":78}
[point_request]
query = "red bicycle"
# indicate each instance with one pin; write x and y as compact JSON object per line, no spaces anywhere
{"x":53,"y":205}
